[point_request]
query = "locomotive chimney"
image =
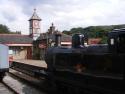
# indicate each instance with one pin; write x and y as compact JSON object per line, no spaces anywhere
{"x":58,"y":39}
{"x":78,"y":40}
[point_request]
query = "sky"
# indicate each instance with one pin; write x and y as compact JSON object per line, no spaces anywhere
{"x":65,"y":14}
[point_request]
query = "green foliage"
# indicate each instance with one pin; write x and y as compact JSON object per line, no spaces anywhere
{"x":4,"y":29}
{"x":67,"y":32}
{"x":94,"y":31}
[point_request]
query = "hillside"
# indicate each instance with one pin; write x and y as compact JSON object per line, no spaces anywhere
{"x":95,"y":31}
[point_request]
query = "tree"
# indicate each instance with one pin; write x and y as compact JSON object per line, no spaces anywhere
{"x":95,"y":31}
{"x":4,"y":29}
{"x":66,"y":32}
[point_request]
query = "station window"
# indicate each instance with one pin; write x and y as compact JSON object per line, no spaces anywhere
{"x":16,"y":51}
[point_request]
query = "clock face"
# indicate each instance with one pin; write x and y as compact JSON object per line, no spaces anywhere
{"x":36,"y":24}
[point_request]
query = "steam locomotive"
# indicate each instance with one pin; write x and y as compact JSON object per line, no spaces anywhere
{"x":95,"y":69}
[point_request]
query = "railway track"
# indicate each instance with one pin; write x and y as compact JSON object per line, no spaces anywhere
{"x":5,"y":89}
{"x":18,"y":86}
{"x":35,"y":83}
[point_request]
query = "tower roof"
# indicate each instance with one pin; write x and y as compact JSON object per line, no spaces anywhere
{"x":35,"y":16}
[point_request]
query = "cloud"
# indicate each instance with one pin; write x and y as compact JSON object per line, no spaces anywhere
{"x":84,"y":13}
{"x":64,"y":13}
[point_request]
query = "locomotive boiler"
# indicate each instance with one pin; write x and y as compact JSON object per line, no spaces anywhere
{"x":94,"y":69}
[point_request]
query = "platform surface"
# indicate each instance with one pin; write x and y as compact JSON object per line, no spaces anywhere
{"x":39,"y":63}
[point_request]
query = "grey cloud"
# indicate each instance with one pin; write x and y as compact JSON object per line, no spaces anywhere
{"x":9,"y":17}
{"x":28,"y":5}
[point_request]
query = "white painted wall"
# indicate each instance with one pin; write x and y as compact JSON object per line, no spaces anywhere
{"x":4,"y":56}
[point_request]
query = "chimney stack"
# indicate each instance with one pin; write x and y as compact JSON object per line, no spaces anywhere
{"x":58,"y":39}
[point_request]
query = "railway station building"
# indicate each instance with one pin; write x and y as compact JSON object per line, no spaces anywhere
{"x":20,"y":46}
{"x":34,"y":45}
{"x":47,"y":40}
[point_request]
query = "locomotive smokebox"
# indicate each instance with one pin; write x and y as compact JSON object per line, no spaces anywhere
{"x":78,"y":41}
{"x":58,"y":39}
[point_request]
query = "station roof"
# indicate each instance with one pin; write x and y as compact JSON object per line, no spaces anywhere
{"x":15,"y":39}
{"x":64,"y":37}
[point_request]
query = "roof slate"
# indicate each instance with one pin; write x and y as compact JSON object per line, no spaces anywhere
{"x":15,"y":39}
{"x":64,"y":37}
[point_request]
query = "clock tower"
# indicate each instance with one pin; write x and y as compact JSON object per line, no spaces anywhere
{"x":34,"y":25}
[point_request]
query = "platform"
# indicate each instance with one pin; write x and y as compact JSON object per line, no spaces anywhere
{"x":30,"y":67}
{"x":38,"y":63}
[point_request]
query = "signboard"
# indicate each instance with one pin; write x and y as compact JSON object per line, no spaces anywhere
{"x":42,"y":46}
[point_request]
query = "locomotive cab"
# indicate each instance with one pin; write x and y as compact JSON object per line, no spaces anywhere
{"x":116,"y":41}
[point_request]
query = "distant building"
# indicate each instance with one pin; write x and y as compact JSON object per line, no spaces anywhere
{"x":47,"y":40}
{"x":94,"y":41}
{"x":34,"y":26}
{"x":20,"y":46}
{"x":50,"y":36}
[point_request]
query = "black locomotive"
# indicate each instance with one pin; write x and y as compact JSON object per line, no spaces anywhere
{"x":95,"y":69}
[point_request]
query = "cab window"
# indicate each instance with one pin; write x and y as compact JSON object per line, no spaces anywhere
{"x":121,"y":43}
